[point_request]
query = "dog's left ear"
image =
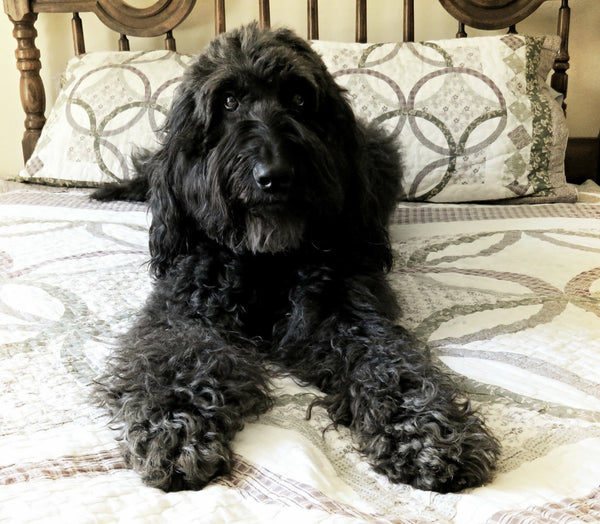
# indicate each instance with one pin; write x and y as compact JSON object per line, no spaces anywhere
{"x":369,"y":164}
{"x":378,"y":172}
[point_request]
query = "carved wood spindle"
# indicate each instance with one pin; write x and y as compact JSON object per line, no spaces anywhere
{"x":170,"y":44}
{"x":313,"y":19}
{"x":560,"y":80}
{"x":77,"y":29}
{"x":33,"y":97}
{"x":123,"y":43}
{"x":219,"y":16}
{"x":361,"y":21}
{"x":409,"y":21}
{"x":462,"y":33}
{"x":264,"y":13}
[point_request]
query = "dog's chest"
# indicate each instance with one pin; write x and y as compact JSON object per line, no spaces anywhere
{"x":265,"y":297}
{"x":251,"y":294}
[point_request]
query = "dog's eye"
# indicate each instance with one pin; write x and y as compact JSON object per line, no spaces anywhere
{"x":298,"y":100}
{"x":231,"y":103}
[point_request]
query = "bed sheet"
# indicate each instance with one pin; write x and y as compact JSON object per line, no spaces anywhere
{"x":507,"y":297}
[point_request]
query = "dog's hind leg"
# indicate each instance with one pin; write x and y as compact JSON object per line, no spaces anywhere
{"x":179,"y":393}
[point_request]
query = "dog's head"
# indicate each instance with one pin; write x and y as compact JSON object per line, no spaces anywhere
{"x":261,"y":150}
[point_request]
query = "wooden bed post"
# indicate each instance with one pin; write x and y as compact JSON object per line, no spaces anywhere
{"x":33,"y":96}
{"x":560,"y":79}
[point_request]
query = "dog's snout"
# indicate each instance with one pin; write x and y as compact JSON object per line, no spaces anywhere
{"x":272,"y":178}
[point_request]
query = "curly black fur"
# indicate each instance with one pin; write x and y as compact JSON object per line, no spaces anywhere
{"x":270,"y":205}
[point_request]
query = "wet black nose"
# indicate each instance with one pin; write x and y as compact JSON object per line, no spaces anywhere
{"x":272,"y":178}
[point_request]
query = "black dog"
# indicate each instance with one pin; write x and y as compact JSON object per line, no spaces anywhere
{"x":270,"y":205}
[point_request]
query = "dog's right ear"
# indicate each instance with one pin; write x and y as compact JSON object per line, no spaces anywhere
{"x":183,"y":121}
{"x":171,"y":230}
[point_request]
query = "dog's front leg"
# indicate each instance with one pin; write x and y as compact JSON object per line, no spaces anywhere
{"x":408,"y":417}
{"x":179,"y":392}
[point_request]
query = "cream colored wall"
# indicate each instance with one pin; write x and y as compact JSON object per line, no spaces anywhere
{"x":337,"y":19}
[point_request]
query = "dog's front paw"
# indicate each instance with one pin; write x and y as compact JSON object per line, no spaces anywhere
{"x":433,"y":452}
{"x":173,"y":459}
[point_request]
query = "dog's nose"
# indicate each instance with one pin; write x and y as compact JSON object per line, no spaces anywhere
{"x":272,"y":178}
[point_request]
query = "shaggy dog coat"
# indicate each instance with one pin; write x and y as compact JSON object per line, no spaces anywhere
{"x":269,"y":246}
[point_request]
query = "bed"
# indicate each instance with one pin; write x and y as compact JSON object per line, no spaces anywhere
{"x":497,"y":268}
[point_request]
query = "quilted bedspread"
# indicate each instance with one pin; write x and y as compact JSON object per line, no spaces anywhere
{"x":507,"y":297}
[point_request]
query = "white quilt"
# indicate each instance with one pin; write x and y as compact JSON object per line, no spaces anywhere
{"x":507,"y":296}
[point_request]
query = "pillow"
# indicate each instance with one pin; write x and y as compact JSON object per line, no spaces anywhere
{"x":110,"y":105}
{"x":474,"y":117}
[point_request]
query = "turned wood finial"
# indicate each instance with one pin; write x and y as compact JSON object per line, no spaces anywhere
{"x":33,"y":97}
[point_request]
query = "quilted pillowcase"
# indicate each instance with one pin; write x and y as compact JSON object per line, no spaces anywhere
{"x":474,"y":118}
{"x":110,"y":104}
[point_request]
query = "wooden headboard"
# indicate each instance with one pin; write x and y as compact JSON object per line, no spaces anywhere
{"x":164,"y":16}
